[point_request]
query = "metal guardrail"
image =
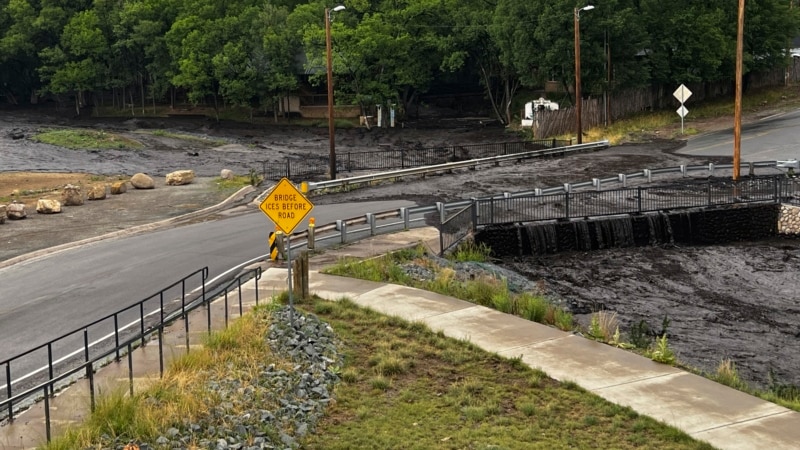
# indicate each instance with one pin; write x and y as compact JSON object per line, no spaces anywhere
{"x":354,"y":181}
{"x":401,"y":158}
{"x":91,"y":356}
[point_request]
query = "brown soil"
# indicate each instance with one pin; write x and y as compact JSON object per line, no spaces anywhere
{"x":729,"y":301}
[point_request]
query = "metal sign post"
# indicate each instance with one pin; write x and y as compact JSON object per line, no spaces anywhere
{"x":682,"y":94}
{"x":287,"y":207}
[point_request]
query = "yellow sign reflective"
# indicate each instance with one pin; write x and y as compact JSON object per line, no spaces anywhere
{"x":286,"y":206}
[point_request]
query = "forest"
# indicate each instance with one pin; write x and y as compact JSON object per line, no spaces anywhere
{"x":252,"y":53}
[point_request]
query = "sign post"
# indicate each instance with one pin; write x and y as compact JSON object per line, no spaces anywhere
{"x":287,"y":207}
{"x":682,"y":94}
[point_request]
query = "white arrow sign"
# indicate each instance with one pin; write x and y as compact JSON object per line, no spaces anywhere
{"x":682,"y":94}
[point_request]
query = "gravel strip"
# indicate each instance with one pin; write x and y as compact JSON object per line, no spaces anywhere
{"x":238,"y":422}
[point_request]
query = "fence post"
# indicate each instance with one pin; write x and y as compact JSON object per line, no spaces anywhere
{"x":683,"y":170}
{"x":639,"y":198}
{"x":402,"y":158}
{"x":566,"y":205}
{"x":553,"y":145}
{"x":507,"y":196}
{"x":708,"y":195}
{"x":371,"y":222}
{"x":623,"y":179}
{"x":341,"y":225}
{"x":596,"y":183}
{"x":474,"y":213}
{"x":649,"y":175}
{"x":288,"y":168}
{"x":711,"y":168}
{"x":440,"y":208}
{"x":751,"y":168}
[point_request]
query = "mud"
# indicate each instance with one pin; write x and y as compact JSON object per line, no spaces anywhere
{"x":736,"y":301}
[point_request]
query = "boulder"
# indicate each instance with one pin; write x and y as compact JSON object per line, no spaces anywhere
{"x":47,"y":206}
{"x":226,"y":174}
{"x":2,"y":214}
{"x":16,"y":211}
{"x":142,"y":181}
{"x":96,"y":192}
{"x":180,"y":177}
{"x":72,"y":195}
{"x":119,"y":187}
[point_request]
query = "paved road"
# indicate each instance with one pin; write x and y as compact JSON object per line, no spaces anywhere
{"x":47,"y":297}
{"x":769,"y":139}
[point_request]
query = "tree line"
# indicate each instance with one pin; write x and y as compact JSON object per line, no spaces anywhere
{"x":251,"y":53}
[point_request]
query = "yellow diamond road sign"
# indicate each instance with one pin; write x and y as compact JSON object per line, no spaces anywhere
{"x":286,"y":206}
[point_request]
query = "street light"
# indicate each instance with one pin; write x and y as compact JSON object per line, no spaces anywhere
{"x":578,"y":70}
{"x":331,"y":129}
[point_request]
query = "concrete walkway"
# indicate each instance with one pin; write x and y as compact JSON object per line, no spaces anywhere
{"x":724,"y":417}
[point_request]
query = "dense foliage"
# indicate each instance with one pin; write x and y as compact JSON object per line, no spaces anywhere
{"x":253,"y":52}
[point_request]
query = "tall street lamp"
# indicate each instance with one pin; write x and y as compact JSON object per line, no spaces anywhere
{"x":578,"y":70}
{"x":331,"y":129}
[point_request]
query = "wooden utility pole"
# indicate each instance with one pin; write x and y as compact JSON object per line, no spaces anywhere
{"x":737,"y":108}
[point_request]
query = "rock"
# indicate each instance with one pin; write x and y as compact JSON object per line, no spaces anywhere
{"x":16,"y":134}
{"x":142,"y":181}
{"x":16,"y":211}
{"x":226,"y":174}
{"x":180,"y":177}
{"x":96,"y":192}
{"x":119,"y":187}
{"x":72,"y":195}
{"x":48,"y":206}
{"x":2,"y":214}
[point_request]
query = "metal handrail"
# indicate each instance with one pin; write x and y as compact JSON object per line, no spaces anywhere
{"x":47,"y":388}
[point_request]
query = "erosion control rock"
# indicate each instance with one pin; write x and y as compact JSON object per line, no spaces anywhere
{"x":2,"y":214}
{"x":119,"y":187}
{"x":16,"y":211}
{"x":180,"y":177}
{"x":226,"y":174}
{"x":96,"y":192}
{"x":48,"y":206}
{"x":142,"y":181}
{"x":72,"y":195}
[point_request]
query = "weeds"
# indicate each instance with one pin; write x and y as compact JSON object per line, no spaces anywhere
{"x":728,"y":375}
{"x":662,"y":353}
{"x":470,"y":251}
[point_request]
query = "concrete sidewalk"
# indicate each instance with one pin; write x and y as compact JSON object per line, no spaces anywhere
{"x":708,"y":411}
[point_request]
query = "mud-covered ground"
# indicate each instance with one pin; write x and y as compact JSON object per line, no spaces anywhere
{"x":738,"y":301}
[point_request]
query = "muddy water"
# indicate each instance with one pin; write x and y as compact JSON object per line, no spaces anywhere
{"x":740,"y":302}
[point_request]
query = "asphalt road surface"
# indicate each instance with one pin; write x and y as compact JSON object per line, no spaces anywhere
{"x":771,"y":138}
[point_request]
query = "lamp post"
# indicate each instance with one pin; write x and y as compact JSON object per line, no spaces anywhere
{"x":331,"y":128}
{"x":577,"y":17}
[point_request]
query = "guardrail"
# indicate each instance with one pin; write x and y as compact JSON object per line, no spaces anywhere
{"x":90,"y":356}
{"x":400,"y":158}
{"x":354,"y":181}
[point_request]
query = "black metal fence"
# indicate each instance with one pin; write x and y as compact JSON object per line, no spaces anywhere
{"x":152,"y":315}
{"x":314,"y":166}
{"x":572,"y":205}
{"x":585,"y":204}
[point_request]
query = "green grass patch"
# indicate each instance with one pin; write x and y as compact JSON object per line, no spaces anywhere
{"x":86,"y":139}
{"x":445,"y":393}
{"x":184,"y":393}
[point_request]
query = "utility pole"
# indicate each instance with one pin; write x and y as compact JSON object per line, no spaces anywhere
{"x":737,"y":108}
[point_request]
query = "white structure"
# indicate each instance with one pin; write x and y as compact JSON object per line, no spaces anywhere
{"x":536,"y":106}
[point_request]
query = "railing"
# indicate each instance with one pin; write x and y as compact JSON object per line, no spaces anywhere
{"x":456,"y":227}
{"x":309,"y":167}
{"x":570,"y":205}
{"x":92,"y":354}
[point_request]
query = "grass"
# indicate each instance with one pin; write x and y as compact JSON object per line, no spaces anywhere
{"x":184,"y":394}
{"x":668,"y":122}
{"x":236,"y":183}
{"x":405,"y":386}
{"x":482,"y":290}
{"x":86,"y":139}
